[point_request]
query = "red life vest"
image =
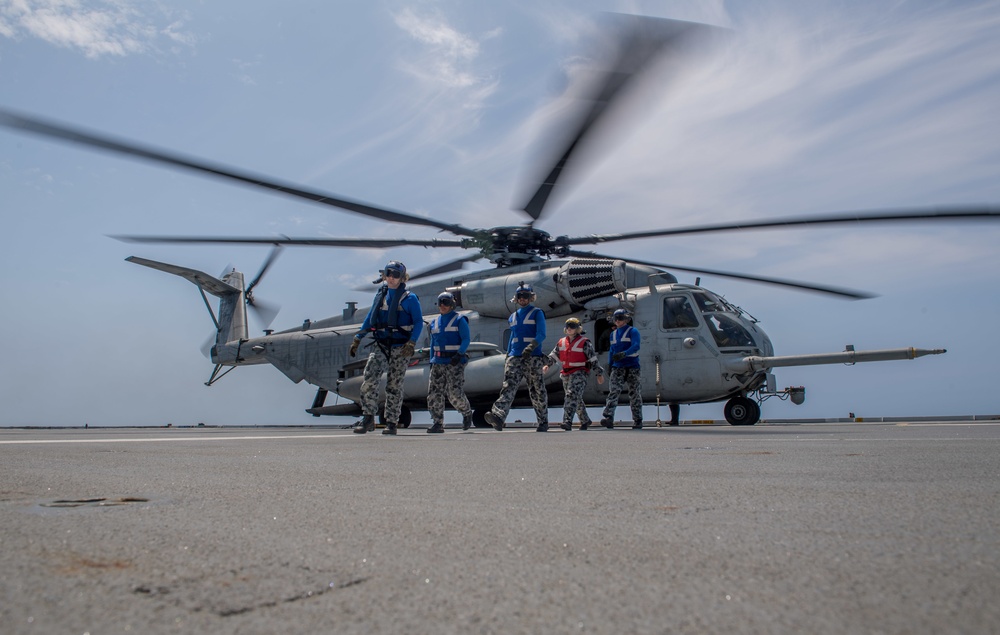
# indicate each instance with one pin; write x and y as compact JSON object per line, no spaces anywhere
{"x":572,"y":356}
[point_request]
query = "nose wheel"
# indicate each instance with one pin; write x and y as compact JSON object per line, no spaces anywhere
{"x":742,"y":411}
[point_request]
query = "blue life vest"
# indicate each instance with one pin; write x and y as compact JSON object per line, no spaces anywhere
{"x":447,"y":338}
{"x":526,"y":324}
{"x":624,"y":340}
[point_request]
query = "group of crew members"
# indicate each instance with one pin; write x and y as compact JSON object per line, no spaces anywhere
{"x":395,"y":322}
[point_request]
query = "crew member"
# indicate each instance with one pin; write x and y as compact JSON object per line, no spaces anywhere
{"x":578,"y":357}
{"x":394,"y":321}
{"x":449,"y":341}
{"x":524,"y":361}
{"x":623,"y":357}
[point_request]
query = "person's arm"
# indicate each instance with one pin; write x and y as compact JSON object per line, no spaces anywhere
{"x":634,"y":348}
{"x":539,"y":328}
{"x":463,"y":334}
{"x":416,"y":314}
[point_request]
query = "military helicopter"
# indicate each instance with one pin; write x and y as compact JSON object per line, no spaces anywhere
{"x":697,"y":346}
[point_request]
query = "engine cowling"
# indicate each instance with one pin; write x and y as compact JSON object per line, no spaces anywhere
{"x":558,"y":290}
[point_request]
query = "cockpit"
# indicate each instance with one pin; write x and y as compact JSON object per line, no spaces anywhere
{"x":722,"y":319}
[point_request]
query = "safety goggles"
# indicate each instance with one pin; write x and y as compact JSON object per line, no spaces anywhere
{"x":522,"y":296}
{"x":445,"y":303}
{"x":392,"y":273}
{"x":621,"y":318}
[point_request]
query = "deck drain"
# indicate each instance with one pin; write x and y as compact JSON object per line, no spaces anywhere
{"x":96,"y":502}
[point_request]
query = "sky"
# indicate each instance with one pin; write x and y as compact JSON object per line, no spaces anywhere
{"x":439,"y":108}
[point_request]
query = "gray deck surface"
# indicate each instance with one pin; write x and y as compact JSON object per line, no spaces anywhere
{"x":820,"y":528}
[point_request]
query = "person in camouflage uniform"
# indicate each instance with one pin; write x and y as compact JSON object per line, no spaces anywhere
{"x":524,"y":361}
{"x":449,"y":341}
{"x":395,"y":321}
{"x":623,"y":357}
{"x":578,"y":357}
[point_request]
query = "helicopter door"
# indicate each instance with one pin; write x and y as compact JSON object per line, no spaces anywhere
{"x":690,"y":368}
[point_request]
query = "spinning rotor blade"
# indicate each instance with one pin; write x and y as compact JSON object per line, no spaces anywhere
{"x":453,"y":265}
{"x":935,"y":214}
{"x":271,"y":257}
{"x":816,"y":288}
{"x":645,"y":39}
{"x":285,"y":240}
{"x":264,"y":311}
{"x":79,"y":136}
{"x":206,"y":346}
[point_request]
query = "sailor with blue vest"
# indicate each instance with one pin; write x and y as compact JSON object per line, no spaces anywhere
{"x":524,"y":361}
{"x":395,"y":322}
{"x":449,"y":341}
{"x":623,"y":357}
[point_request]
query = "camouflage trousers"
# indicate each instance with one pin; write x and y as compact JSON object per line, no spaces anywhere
{"x":447,"y":380}
{"x":620,"y":379}
{"x":515,"y":369}
{"x":395,"y":369}
{"x":573,"y":386}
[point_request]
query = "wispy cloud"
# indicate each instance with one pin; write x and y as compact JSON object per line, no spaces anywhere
{"x":447,"y":63}
{"x":97,"y":29}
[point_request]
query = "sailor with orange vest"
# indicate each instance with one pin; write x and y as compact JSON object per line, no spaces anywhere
{"x":578,"y":357}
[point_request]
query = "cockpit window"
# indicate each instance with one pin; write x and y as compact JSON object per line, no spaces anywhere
{"x":707,"y":303}
{"x":727,"y":331}
{"x":677,"y":313}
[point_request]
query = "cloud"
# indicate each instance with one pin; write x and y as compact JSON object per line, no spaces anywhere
{"x":446,"y":64}
{"x":97,"y":29}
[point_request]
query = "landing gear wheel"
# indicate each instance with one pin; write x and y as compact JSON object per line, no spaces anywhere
{"x":742,"y":411}
{"x":479,"y":418}
{"x":405,"y":417}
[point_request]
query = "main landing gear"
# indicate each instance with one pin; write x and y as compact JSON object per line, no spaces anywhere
{"x":742,"y":411}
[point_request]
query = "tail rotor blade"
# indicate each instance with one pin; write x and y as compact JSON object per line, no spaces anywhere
{"x":265,"y":312}
{"x":271,"y":257}
{"x":206,"y":346}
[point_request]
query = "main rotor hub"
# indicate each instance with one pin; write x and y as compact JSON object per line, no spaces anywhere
{"x":516,"y":245}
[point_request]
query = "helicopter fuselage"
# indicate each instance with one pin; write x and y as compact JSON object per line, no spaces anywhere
{"x":696,"y":346}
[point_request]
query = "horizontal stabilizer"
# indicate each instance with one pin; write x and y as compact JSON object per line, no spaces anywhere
{"x":207,"y":282}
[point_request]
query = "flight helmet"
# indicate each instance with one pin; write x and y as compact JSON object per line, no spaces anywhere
{"x":395,"y":269}
{"x":524,"y":291}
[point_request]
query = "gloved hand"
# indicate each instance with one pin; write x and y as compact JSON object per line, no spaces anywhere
{"x":456,"y":360}
{"x":532,"y":345}
{"x":408,"y":348}
{"x":618,"y":357}
{"x":354,"y":347}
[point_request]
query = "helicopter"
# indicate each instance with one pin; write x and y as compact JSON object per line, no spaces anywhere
{"x":698,"y":347}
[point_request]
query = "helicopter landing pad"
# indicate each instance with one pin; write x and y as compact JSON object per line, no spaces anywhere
{"x":821,"y":528}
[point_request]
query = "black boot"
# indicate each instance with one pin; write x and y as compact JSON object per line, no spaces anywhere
{"x":567,"y":427}
{"x":494,"y":421}
{"x":584,"y":426}
{"x":467,"y":421}
{"x":436,"y":428}
{"x":542,"y":427}
{"x":608,"y":423}
{"x":365,"y":424}
{"x":390,"y":428}
{"x":637,"y":425}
